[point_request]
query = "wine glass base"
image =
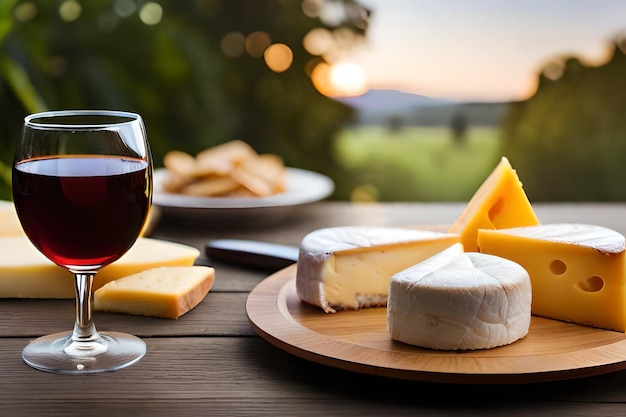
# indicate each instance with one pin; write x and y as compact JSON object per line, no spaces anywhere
{"x":57,"y":353}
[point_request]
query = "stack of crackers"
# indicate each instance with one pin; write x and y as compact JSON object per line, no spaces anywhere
{"x":232,"y":169}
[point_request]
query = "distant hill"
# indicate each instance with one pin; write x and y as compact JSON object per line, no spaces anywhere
{"x":382,"y":106}
{"x":389,"y":101}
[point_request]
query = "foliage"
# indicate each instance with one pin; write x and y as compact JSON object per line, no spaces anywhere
{"x":174,"y":73}
{"x":416,"y":163}
{"x":569,"y":140}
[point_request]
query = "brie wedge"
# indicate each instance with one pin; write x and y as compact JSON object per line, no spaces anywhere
{"x":456,"y":300}
{"x":347,"y":268}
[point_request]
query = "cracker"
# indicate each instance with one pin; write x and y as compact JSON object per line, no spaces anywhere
{"x":180,"y":163}
{"x":232,"y":169}
{"x":263,"y":175}
{"x":209,"y":187}
{"x":173,"y":183}
{"x":222,"y":158}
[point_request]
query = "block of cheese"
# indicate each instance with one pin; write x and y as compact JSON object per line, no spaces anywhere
{"x":9,"y":222}
{"x":577,"y":271}
{"x":500,"y":202}
{"x":26,"y":273}
{"x":166,"y":292}
{"x":347,"y":268}
{"x":460,"y":300}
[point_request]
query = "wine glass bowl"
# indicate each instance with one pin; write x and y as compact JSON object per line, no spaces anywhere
{"x":82,"y":188}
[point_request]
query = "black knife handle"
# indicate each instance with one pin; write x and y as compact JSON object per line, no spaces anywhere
{"x":254,"y":254}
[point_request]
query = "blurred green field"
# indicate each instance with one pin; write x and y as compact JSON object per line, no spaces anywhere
{"x":415,"y":163}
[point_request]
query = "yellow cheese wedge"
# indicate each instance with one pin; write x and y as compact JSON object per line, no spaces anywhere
{"x":9,"y":222}
{"x":500,"y":202}
{"x":577,"y":271}
{"x":166,"y":292}
{"x":26,"y":273}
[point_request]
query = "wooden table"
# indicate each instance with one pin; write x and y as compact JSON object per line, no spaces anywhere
{"x":211,"y":362}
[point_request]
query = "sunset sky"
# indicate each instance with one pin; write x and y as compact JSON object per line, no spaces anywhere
{"x":486,"y":50}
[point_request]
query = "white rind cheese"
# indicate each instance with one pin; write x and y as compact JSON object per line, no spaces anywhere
{"x":166,"y":292}
{"x":26,"y":273}
{"x":591,"y":236}
{"x":460,"y":301}
{"x":343,"y":268}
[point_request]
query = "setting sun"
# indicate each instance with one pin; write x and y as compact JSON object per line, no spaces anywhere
{"x":339,"y":80}
{"x":349,"y":79}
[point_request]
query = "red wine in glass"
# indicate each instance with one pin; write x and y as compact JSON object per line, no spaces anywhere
{"x":65,"y":200}
{"x":82,"y":187}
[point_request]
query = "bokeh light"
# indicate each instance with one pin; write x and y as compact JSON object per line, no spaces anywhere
{"x":151,"y":13}
{"x":365,"y":193}
{"x":348,"y":79}
{"x":333,"y":13}
{"x":344,"y":79}
{"x":278,"y":57}
{"x":311,"y":8}
{"x":70,"y":10}
{"x":124,"y":8}
{"x":318,"y":41}
{"x":25,"y":11}
{"x":256,"y":43}
{"x":320,"y":76}
{"x":233,"y":44}
{"x":553,"y":70}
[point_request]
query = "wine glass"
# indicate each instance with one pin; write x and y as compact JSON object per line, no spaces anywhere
{"x":82,"y":187}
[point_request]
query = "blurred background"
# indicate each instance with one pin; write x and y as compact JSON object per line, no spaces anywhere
{"x":395,"y":100}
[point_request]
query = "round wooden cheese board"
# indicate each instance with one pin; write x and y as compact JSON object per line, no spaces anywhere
{"x":358,"y":341}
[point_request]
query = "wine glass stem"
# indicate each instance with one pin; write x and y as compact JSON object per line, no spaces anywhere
{"x":84,"y":328}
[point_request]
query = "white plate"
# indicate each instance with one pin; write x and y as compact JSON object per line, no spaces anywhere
{"x":303,"y":187}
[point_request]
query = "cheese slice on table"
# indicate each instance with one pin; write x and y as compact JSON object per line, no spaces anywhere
{"x":500,"y":202}
{"x":9,"y":222}
{"x":26,"y":273}
{"x":456,"y":300}
{"x":578,"y":271}
{"x":166,"y":292}
{"x":347,"y":268}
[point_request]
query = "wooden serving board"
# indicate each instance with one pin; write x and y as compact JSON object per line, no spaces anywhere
{"x":358,"y":341}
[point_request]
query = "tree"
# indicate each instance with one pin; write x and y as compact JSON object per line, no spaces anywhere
{"x":197,"y":72}
{"x":458,"y":125}
{"x":568,"y":141}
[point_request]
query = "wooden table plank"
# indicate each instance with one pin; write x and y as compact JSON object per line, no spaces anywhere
{"x":246,"y":376}
{"x":219,"y":314}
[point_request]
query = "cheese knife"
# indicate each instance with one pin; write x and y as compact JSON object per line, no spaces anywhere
{"x":250,"y":253}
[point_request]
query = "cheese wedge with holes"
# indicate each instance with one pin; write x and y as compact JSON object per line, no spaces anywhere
{"x":347,"y":268}
{"x":26,"y":273}
{"x":578,"y":271}
{"x":460,"y":300}
{"x":500,"y":202}
{"x":166,"y":292}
